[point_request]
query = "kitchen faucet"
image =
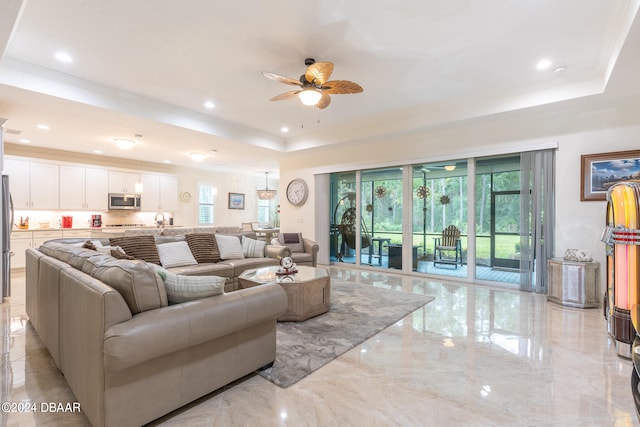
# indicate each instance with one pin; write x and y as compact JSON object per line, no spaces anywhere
{"x":159,"y":223}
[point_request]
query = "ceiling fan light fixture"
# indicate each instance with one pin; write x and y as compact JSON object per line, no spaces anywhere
{"x":310,"y":97}
{"x":450,"y":167}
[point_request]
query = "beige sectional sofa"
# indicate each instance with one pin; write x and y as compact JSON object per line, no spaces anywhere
{"x":128,"y":355}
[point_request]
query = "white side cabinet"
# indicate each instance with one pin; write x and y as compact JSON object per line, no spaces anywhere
{"x":160,"y":193}
{"x":33,"y":185}
{"x":83,"y":188}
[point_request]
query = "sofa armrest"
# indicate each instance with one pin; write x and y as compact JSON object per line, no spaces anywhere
{"x":312,"y":248}
{"x":162,"y":331}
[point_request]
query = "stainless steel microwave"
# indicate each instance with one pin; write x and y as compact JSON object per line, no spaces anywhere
{"x":122,"y":201}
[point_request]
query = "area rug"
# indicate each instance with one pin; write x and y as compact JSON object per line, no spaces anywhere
{"x":357,"y":313}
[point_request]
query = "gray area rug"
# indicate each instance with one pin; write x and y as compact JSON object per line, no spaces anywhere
{"x":357,"y":313}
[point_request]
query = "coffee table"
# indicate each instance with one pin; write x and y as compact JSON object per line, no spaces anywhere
{"x":308,"y":291}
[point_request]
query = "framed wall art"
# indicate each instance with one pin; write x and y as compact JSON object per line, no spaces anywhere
{"x":236,"y":201}
{"x":598,"y":172}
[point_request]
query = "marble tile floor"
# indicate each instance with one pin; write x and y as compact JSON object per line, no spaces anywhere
{"x":475,"y":356}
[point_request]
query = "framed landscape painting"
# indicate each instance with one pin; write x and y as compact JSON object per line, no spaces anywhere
{"x":236,"y":201}
{"x":598,"y":172}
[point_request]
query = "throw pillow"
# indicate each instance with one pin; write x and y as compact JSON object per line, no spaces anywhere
{"x":229,"y":246}
{"x":118,"y":253}
{"x":139,"y":247}
{"x":89,"y":245}
{"x":252,"y":248}
{"x":187,"y":288}
{"x":292,"y":240}
{"x":203,"y":247}
{"x":175,"y":254}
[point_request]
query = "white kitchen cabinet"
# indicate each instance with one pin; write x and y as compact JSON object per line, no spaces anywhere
{"x":33,"y":185}
{"x":39,"y":237}
{"x":96,"y":189}
{"x":160,"y":193}
{"x":75,"y":234}
{"x":20,"y":242}
{"x":83,"y":188}
{"x":123,"y":182}
{"x":18,"y":171}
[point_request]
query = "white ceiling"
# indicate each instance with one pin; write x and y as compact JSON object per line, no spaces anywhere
{"x":147,"y":67}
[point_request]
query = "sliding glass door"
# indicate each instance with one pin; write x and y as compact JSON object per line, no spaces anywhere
{"x":370,"y":222}
{"x":343,"y":217}
{"x":440,"y":203}
{"x":381,"y":206}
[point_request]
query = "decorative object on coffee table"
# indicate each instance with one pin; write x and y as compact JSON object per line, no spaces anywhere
{"x":308,"y":290}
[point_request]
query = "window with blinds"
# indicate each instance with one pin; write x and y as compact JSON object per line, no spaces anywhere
{"x":206,"y":204}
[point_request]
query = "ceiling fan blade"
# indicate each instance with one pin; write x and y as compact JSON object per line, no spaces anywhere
{"x":286,"y":95}
{"x":338,"y":87}
{"x":319,"y":72}
{"x":281,"y":79}
{"x":324,"y":101}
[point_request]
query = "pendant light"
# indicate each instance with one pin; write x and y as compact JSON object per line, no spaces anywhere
{"x":266,"y":194}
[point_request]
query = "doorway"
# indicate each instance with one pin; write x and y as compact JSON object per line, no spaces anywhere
{"x":505,"y":229}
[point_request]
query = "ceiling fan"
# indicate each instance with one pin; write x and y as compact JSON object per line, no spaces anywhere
{"x":315,"y":86}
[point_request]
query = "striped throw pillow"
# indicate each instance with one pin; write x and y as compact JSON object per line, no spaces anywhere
{"x":203,"y":247}
{"x":139,"y":247}
{"x":252,"y":248}
{"x":187,"y":288}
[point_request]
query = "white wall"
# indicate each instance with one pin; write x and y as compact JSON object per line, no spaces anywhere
{"x":225,"y":183}
{"x":610,"y":126}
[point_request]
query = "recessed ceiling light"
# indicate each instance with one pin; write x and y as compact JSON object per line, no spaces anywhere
{"x":197,"y":156}
{"x":559,"y":70}
{"x":43,"y":127}
{"x":64,"y":57}
{"x":209,"y":105}
{"x":284,"y":129}
{"x":543,"y":64}
{"x":124,"y":144}
{"x":166,"y":161}
{"x":25,"y":141}
{"x":97,"y":151}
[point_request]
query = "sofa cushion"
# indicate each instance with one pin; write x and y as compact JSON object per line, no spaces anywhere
{"x":229,"y":247}
{"x":175,"y":254}
{"x":139,"y":247}
{"x":203,"y":247}
{"x":252,"y":248}
{"x":292,"y":240}
{"x":187,"y":288}
{"x":137,"y":282}
{"x":204,"y":269}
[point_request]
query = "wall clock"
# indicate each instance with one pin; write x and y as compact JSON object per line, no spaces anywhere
{"x":297,"y":192}
{"x":185,"y":196}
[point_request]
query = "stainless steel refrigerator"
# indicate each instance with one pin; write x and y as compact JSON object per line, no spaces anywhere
{"x":7,"y":225}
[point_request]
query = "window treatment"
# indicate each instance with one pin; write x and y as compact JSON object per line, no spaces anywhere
{"x":537,"y":218}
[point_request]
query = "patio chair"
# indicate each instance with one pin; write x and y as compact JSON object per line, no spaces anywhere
{"x":448,"y":243}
